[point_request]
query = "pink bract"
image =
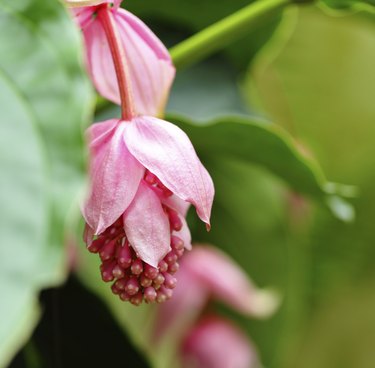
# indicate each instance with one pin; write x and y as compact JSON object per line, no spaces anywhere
{"x":149,"y":64}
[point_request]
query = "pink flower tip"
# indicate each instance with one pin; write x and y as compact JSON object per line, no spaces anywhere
{"x":217,"y":343}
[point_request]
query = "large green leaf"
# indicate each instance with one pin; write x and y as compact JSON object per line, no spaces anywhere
{"x":266,"y":145}
{"x":44,"y":99}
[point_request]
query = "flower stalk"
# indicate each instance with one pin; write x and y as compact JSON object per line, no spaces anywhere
{"x":225,"y":31}
{"x":119,"y":60}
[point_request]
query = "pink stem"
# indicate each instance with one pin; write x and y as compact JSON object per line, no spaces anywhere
{"x":105,"y":16}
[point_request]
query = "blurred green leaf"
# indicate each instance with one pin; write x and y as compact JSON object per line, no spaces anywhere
{"x":211,"y":87}
{"x":342,"y":333}
{"x":320,"y":87}
{"x":355,"y":5}
{"x":258,"y":142}
{"x":44,"y":100}
{"x":183,"y":15}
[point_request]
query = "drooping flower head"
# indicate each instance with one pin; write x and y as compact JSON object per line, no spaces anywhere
{"x":144,"y":175}
{"x":144,"y":171}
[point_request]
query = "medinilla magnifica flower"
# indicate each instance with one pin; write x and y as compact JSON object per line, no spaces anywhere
{"x":144,"y":173}
{"x":207,"y":273}
{"x":151,"y":71}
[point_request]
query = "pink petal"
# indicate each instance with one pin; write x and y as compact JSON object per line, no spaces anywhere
{"x":228,"y":283}
{"x":217,"y":343}
{"x":115,"y":176}
{"x":147,"y":226}
{"x":88,"y":235}
{"x":166,"y":151}
{"x":180,"y":313}
{"x":177,"y":204}
{"x":184,"y":233}
{"x":83,"y":15}
{"x":117,"y":3}
{"x":82,"y":3}
{"x":181,"y":207}
{"x":99,"y":134}
{"x":99,"y":61}
{"x":150,"y":67}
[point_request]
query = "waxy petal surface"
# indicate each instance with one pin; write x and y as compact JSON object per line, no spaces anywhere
{"x":115,"y":176}
{"x":149,"y":62}
{"x":99,"y":134}
{"x":166,"y":151}
{"x":150,"y":67}
{"x":99,"y":61}
{"x":217,"y":343}
{"x":184,"y":233}
{"x":147,"y":227}
{"x":177,"y":204}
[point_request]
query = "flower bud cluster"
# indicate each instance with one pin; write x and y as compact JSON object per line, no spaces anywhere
{"x":133,"y":279}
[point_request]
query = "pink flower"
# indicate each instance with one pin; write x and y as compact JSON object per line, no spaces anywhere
{"x":217,"y":343}
{"x":144,"y":171}
{"x":144,"y":174}
{"x":150,"y":66}
{"x":206,"y":273}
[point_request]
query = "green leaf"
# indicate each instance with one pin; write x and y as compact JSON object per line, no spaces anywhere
{"x":354,"y":5}
{"x":320,"y":87}
{"x":257,"y":142}
{"x":44,"y":102}
{"x":210,"y":87}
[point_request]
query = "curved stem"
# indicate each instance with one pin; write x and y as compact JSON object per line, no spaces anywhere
{"x":105,"y":16}
{"x":220,"y":34}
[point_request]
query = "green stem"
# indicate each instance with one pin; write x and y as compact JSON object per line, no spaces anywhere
{"x":227,"y":30}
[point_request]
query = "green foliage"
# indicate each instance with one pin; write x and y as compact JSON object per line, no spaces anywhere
{"x":320,"y":88}
{"x":314,"y":80}
{"x":44,"y":100}
{"x":192,"y":16}
{"x":350,"y":4}
{"x":256,"y":142}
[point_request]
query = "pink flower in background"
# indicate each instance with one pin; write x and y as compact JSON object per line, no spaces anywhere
{"x":199,"y":339}
{"x":144,"y":174}
{"x":208,"y":273}
{"x":150,"y":66}
{"x":217,"y":343}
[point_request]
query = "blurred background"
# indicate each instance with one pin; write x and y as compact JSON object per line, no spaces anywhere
{"x":309,"y":70}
